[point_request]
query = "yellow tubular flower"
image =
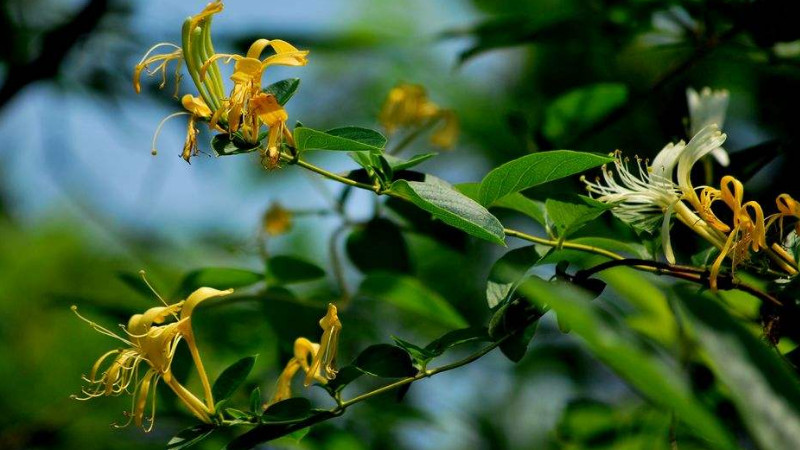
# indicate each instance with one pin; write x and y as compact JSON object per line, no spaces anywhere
{"x":162,"y":61}
{"x":151,"y":341}
{"x":446,"y":135}
{"x":265,"y":107}
{"x":405,"y":105}
{"x":787,"y":207}
{"x":325,"y":359}
{"x":277,"y":220}
{"x":748,"y":234}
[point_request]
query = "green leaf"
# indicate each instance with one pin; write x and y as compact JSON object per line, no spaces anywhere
{"x":283,"y":90}
{"x":189,"y":437}
{"x":384,"y":360}
{"x":270,"y":431}
{"x":409,"y":294}
{"x":457,"y":337}
{"x":345,"y":376}
{"x":219,"y":278}
{"x":255,"y":400}
{"x":231,"y":378}
{"x":507,"y":272}
{"x":761,"y":385}
{"x":657,"y":381}
{"x":378,"y":245}
{"x":420,"y":355}
{"x":288,"y":411}
{"x":570,"y":214}
{"x":289,"y":269}
{"x":533,"y":170}
{"x":451,"y":207}
{"x":515,"y":202}
{"x":399,"y":164}
{"x":224,"y":145}
{"x":579,"y":109}
{"x":348,"y":139}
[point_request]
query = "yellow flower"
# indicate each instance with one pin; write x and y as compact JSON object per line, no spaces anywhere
{"x":267,"y":109}
{"x":323,"y":357}
{"x":408,"y":105}
{"x":277,"y":220}
{"x":149,"y":340}
{"x":787,"y":207}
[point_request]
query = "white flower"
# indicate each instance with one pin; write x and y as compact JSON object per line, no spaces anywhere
{"x":706,"y":108}
{"x":670,"y":27}
{"x":644,"y":196}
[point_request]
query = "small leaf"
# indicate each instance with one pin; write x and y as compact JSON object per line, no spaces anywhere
{"x":218,"y":278}
{"x":457,"y":337}
{"x":270,"y":431}
{"x":348,"y":139}
{"x":283,"y":90}
{"x":399,"y":164}
{"x":409,"y":294}
{"x":420,"y":355}
{"x":378,"y":245}
{"x":290,"y":410}
{"x":255,"y":400}
{"x":189,"y":437}
{"x":451,"y":207}
{"x":384,"y":360}
{"x":581,"y":108}
{"x":289,"y":269}
{"x":571,"y":214}
{"x":533,"y":170}
{"x":507,"y":272}
{"x":223,"y":145}
{"x":345,"y":376}
{"x":231,"y":378}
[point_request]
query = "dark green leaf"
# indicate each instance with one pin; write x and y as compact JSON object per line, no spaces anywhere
{"x":579,"y":109}
{"x":516,"y":346}
{"x":255,"y":400}
{"x":657,"y":381}
{"x":345,"y":376}
{"x":223,"y":145}
{"x":189,"y":437}
{"x":384,"y":360}
{"x":457,"y":337}
{"x":270,"y":431}
{"x":218,"y":278}
{"x":349,"y":139}
{"x":568,"y":215}
{"x":507,"y":271}
{"x":289,"y":269}
{"x":287,"y":411}
{"x":450,"y":206}
{"x":231,"y":378}
{"x":763,"y":388}
{"x":378,"y":245}
{"x":532,"y":170}
{"x":409,"y":294}
{"x":283,"y":90}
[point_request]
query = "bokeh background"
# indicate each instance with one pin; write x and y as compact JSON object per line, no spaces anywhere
{"x":84,"y":206}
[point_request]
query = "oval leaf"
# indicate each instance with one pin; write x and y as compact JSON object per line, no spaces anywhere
{"x":451,"y":207}
{"x":535,"y":169}
{"x":231,"y":378}
{"x":348,"y":139}
{"x":289,"y":269}
{"x":378,"y":246}
{"x":384,"y":360}
{"x":407,"y":293}
{"x":283,"y":90}
{"x":289,"y":410}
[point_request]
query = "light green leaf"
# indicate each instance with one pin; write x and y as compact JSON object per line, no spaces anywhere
{"x":399,"y":164}
{"x":451,"y":207}
{"x":761,"y":385}
{"x":231,"y":378}
{"x":571,"y":214}
{"x":283,"y":90}
{"x":515,"y":202}
{"x":533,"y":170}
{"x":659,"y":382}
{"x":348,"y":139}
{"x":289,"y":269}
{"x":407,"y":293}
{"x":579,"y":109}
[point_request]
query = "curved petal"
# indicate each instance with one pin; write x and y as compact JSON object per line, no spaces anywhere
{"x":666,"y":242}
{"x":201,"y":295}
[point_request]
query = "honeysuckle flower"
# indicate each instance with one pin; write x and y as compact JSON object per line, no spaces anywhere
{"x":408,"y":105}
{"x":150,"y":341}
{"x":648,"y":194}
{"x":671,"y":26}
{"x":788,"y":207}
{"x":321,"y":367}
{"x":277,"y":220}
{"x":708,"y":107}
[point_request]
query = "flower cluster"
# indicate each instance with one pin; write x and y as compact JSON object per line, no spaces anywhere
{"x":662,"y":189}
{"x":408,"y":106}
{"x":242,"y":112}
{"x":149,"y":344}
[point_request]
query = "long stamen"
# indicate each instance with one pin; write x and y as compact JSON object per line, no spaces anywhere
{"x":153,"y":150}
{"x":99,"y":328}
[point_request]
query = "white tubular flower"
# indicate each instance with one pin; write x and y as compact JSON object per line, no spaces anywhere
{"x":708,"y":107}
